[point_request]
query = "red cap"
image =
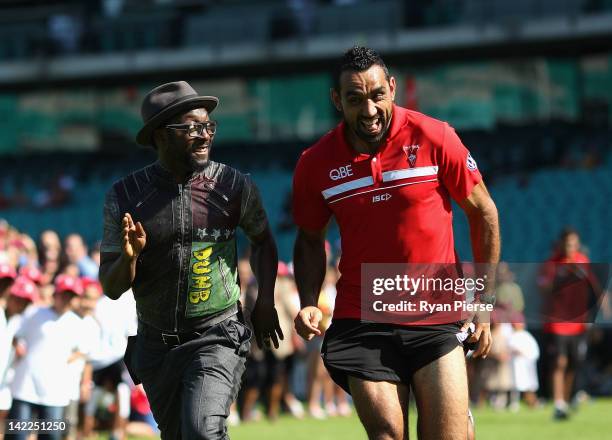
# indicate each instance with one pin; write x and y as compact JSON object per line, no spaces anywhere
{"x":67,"y":283}
{"x":7,"y":271}
{"x":283,"y":269}
{"x":24,"y":288}
{"x":31,"y":272}
{"x":87,"y":281}
{"x":17,"y":243}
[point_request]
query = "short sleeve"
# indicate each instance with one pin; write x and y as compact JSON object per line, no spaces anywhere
{"x":309,"y":208}
{"x":23,"y":325}
{"x":111,"y":237}
{"x":458,"y":169}
{"x":89,"y":336}
{"x":253,"y":219}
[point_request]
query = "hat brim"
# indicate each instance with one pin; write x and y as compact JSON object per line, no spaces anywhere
{"x":69,"y":290}
{"x":25,"y":296}
{"x":144,"y":136}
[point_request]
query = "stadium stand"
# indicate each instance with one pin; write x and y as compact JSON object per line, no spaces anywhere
{"x":538,"y":190}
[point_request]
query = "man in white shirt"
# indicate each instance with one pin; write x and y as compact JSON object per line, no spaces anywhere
{"x":116,"y":320}
{"x":20,"y":295}
{"x":47,"y":341}
{"x":82,"y":383}
{"x":525,"y":354}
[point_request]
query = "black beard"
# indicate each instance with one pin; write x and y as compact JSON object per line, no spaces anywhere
{"x":371,"y":139}
{"x":368,"y":138}
{"x":197,"y":165}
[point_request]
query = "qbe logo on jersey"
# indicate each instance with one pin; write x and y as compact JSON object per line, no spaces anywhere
{"x":381,"y":197}
{"x":341,"y":172}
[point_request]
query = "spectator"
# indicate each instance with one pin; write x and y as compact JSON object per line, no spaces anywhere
{"x":525,"y":354}
{"x":95,"y":253}
{"x":32,"y":273}
{"x":76,"y":253}
{"x":47,"y":341}
{"x":116,"y":320}
{"x":276,"y":360}
{"x":496,"y":368}
{"x":509,"y":293}
{"x":21,"y":294}
{"x":49,"y":251}
{"x":142,"y":423}
{"x":255,"y":372}
{"x":82,"y":383}
{"x":317,"y":377}
{"x":566,"y":283}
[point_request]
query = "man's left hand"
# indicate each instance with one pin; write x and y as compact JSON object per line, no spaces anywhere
{"x":265,"y":324}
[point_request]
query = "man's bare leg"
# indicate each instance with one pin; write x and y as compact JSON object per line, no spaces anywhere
{"x":568,"y":383}
{"x":558,"y":378}
{"x":441,"y":393}
{"x":382,"y":408}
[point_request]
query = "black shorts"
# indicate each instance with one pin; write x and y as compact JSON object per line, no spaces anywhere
{"x":571,"y":346}
{"x":262,"y":374}
{"x":384,"y":352}
{"x":109,"y":376}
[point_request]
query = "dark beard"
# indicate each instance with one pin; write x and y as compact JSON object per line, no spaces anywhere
{"x":197,"y":165}
{"x":371,"y":139}
{"x":368,"y":138}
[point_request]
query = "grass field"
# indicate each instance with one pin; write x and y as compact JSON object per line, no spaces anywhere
{"x":593,"y":421}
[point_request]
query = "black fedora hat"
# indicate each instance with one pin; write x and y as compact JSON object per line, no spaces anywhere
{"x":166,"y":101}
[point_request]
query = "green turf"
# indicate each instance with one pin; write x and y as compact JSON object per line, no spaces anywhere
{"x":593,"y":421}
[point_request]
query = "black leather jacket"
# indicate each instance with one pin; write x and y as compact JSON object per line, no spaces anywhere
{"x":187,"y":272}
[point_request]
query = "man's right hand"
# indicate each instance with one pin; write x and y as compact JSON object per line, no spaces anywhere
{"x":307,"y":322}
{"x":134,"y":237}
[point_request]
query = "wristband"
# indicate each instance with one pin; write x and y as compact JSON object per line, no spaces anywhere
{"x":487,"y":298}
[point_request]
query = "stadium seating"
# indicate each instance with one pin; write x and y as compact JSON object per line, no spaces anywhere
{"x":154,"y":25}
{"x":533,"y":206}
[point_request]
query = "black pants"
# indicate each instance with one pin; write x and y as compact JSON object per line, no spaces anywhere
{"x":191,"y":386}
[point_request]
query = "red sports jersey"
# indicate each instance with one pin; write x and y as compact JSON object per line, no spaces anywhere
{"x":566,"y":311}
{"x":391,"y":207}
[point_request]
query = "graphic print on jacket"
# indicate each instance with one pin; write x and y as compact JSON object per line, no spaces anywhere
{"x":213,"y":279}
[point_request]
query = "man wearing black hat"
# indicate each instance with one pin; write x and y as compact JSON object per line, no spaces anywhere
{"x":169,"y":235}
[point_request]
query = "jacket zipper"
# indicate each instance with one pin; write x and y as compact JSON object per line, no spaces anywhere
{"x":216,"y":191}
{"x":180,"y":253}
{"x":147,"y":197}
{"x":225,"y":213}
{"x":227,"y":292}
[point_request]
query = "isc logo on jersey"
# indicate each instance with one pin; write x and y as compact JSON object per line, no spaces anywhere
{"x":341,"y":172}
{"x":381,"y":198}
